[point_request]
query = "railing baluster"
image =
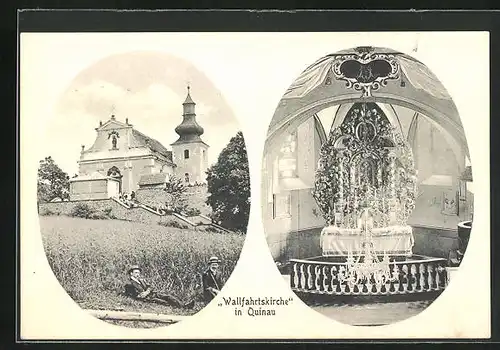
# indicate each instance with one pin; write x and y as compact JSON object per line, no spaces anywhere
{"x":333,"y":271}
{"x":325,"y":279}
{"x":369,"y":287}
{"x":413,"y":281}
{"x":430,"y":269}
{"x":317,"y":275}
{"x":309,"y":277}
{"x":295,"y":278}
{"x":421,"y":268}
{"x":438,"y":278}
{"x":302,"y":277}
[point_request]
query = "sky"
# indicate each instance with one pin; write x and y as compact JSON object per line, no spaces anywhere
{"x":148,"y":88}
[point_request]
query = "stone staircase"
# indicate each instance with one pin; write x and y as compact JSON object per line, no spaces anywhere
{"x":192,"y":221}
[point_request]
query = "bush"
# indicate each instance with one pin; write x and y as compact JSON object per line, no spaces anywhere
{"x":46,"y":212}
{"x":192,"y":212}
{"x":173,"y":223}
{"x":98,"y":216}
{"x":82,"y":210}
{"x":212,"y":229}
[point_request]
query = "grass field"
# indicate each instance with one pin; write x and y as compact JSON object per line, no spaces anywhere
{"x":90,"y":259}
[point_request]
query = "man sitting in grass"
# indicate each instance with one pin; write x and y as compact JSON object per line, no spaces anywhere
{"x":139,"y":289}
{"x":211,"y":279}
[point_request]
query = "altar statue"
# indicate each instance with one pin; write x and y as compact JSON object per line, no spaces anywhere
{"x":365,"y":221}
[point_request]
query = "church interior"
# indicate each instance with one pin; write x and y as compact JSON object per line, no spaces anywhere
{"x":366,"y":149}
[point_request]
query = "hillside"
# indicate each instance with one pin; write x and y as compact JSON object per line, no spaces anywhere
{"x":90,"y":259}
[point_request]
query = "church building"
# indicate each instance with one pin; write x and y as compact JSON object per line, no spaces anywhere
{"x":122,"y":158}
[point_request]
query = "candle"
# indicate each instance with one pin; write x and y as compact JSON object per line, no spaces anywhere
{"x":341,"y":183}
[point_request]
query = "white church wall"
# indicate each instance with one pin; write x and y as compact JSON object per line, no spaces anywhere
{"x":130,"y":169}
{"x":113,"y":188}
{"x":195,"y":165}
{"x":90,"y":189}
{"x":103,"y":141}
{"x":303,"y":219}
{"x":307,"y":158}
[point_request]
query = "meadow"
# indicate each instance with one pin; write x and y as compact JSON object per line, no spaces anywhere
{"x":90,"y":259}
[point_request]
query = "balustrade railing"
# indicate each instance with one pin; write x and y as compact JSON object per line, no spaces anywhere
{"x":412,"y":276}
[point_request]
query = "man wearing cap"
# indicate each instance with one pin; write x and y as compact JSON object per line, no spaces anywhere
{"x":140,"y":289}
{"x":211,"y":279}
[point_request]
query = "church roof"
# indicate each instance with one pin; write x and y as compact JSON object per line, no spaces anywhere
{"x":93,"y":176}
{"x":189,"y":130}
{"x":153,"y":179}
{"x":152,"y":144}
{"x":188,"y":100}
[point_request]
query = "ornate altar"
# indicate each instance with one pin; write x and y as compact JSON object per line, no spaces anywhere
{"x":366,"y":185}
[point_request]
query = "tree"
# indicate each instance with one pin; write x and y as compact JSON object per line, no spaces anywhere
{"x":176,"y":194}
{"x":228,"y":183}
{"x":53,"y":182}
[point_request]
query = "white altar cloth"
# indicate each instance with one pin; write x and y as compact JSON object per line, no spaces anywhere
{"x":393,"y":240}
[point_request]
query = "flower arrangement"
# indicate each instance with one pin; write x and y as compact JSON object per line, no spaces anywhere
{"x":356,"y":169}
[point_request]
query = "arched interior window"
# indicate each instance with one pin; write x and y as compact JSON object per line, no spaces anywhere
{"x":186,"y":154}
{"x":186,"y":177}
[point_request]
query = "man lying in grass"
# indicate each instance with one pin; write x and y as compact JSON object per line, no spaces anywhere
{"x":138,"y":288}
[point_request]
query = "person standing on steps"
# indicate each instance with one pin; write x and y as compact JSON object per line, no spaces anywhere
{"x":139,"y":289}
{"x":212,"y":282}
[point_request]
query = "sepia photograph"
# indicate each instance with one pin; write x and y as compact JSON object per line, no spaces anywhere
{"x":274,"y":186}
{"x":143,"y":193}
{"x":367,"y":186}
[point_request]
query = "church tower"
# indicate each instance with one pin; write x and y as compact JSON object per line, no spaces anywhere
{"x":190,"y":153}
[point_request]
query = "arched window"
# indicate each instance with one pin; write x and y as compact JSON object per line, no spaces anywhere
{"x":186,"y":154}
{"x":114,"y":172}
{"x":186,"y":177}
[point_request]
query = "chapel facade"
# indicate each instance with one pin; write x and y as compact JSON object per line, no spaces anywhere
{"x":122,"y":158}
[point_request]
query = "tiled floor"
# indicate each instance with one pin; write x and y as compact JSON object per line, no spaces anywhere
{"x":372,"y":314}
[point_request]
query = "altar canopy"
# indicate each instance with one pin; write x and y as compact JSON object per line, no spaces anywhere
{"x":376,"y":75}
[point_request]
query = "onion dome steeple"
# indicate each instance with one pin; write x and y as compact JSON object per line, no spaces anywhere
{"x":189,"y":130}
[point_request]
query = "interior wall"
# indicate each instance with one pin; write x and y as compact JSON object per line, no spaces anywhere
{"x":304,"y":213}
